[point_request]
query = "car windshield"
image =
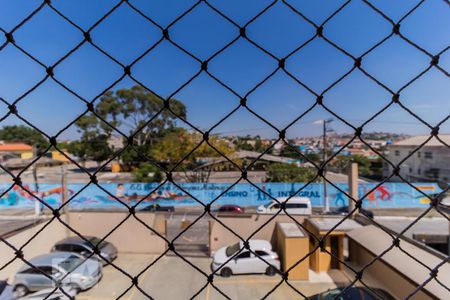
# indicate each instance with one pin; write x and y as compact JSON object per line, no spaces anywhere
{"x":70,"y":263}
{"x":95,"y":241}
{"x":232,"y":249}
{"x":268,"y":204}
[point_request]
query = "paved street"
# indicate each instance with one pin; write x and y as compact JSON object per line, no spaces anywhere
{"x":169,"y":272}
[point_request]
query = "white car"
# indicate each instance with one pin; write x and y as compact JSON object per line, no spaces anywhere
{"x":246,"y":262}
{"x":294,"y":206}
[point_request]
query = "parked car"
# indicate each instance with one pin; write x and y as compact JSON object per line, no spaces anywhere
{"x":68,"y":268}
{"x":156,"y":207}
{"x":51,"y":294}
{"x":77,"y":245}
{"x":294,"y":206}
{"x":6,"y":291}
{"x":229,"y":208}
{"x":354,"y":293}
{"x":344,"y":211}
{"x":245,"y":261}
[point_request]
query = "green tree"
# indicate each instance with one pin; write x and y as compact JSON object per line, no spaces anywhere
{"x":129,"y":110}
{"x":23,"y":134}
{"x":147,"y":172}
{"x":177,"y":144}
{"x":91,"y":147}
{"x":364,"y":164}
{"x":288,"y":151}
{"x":279,"y":172}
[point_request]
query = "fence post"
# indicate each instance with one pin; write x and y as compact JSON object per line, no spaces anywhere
{"x":352,"y":185}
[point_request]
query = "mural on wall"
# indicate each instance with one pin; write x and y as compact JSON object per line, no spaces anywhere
{"x":389,"y":195}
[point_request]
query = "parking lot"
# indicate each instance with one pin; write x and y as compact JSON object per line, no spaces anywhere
{"x":172,"y":278}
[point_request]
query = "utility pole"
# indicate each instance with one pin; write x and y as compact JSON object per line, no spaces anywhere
{"x":65,"y":196}
{"x":37,"y":204}
{"x":352,"y":186}
{"x":325,"y":123}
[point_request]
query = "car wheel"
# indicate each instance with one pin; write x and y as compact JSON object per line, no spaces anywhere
{"x":271,"y":271}
{"x":20,"y":290}
{"x":225,"y":272}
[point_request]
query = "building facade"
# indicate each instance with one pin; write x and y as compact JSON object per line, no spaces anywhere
{"x":429,"y":163}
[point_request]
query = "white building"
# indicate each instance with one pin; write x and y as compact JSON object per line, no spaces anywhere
{"x":430,"y":163}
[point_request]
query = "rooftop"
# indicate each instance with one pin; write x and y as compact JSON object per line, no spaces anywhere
{"x":249,"y":154}
{"x":377,"y":241}
{"x":429,"y":226}
{"x":326,"y":224}
{"x":15,"y":147}
{"x":291,"y":230}
{"x":419,"y":139}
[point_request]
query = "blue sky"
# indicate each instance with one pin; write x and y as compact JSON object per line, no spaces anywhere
{"x":125,"y":35}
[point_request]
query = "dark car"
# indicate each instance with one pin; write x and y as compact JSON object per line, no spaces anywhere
{"x":76,"y":244}
{"x":344,"y":211}
{"x":354,"y":293}
{"x":231,"y":209}
{"x":156,"y":207}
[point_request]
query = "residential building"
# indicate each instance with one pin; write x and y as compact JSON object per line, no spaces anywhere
{"x":21,"y":150}
{"x":430,"y":163}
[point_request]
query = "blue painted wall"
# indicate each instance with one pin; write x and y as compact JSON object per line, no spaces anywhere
{"x":389,"y":195}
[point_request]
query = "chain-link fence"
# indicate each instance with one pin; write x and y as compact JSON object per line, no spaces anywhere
{"x":282,"y":66}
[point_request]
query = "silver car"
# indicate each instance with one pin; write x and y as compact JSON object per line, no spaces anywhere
{"x":50,"y":294}
{"x":76,"y":244}
{"x":68,"y":269}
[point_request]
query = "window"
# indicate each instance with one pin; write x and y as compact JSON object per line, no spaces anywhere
{"x":63,"y":247}
{"x":261,"y":253}
{"x":30,"y":271}
{"x":276,"y":206}
{"x":301,"y":205}
{"x":419,"y":171}
{"x":245,"y":254}
{"x":78,"y":248}
{"x":71,"y":263}
{"x":397,"y":153}
{"x":232,"y":249}
{"x":47,"y":270}
{"x":428,"y":155}
{"x":419,"y":154}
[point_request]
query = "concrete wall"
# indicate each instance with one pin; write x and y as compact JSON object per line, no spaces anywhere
{"x":381,"y":275}
{"x":131,"y":236}
{"x":244,"y":226}
{"x":41,"y":244}
{"x":321,"y":260}
{"x":291,"y":250}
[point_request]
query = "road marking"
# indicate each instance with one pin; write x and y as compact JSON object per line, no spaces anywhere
{"x":141,"y":278}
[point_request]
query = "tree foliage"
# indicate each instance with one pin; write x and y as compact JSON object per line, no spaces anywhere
{"x":250,"y":143}
{"x":91,"y":147}
{"x":23,"y":134}
{"x":178,"y":144}
{"x":364,"y":164}
{"x":279,"y":172}
{"x":130,"y":110}
{"x":288,"y":151}
{"x":147,"y":172}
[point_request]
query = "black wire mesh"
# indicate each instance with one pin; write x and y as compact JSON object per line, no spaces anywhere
{"x":203,"y":64}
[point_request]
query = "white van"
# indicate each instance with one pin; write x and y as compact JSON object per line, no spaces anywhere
{"x":294,"y":206}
